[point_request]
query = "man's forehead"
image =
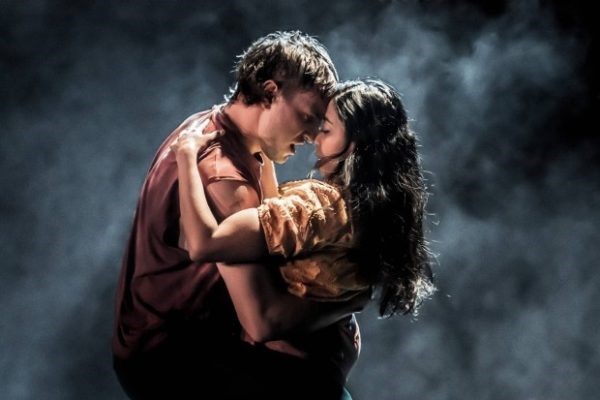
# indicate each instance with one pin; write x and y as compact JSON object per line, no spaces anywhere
{"x":312,"y":102}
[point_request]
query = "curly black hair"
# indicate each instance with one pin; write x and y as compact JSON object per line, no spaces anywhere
{"x":383,"y":185}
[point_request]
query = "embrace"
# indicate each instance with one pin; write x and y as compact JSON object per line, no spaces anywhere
{"x":235,"y":286}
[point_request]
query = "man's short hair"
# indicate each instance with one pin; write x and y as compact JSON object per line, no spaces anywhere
{"x":292,"y":59}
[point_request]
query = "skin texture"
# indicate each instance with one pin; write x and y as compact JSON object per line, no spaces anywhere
{"x":274,"y":126}
{"x":291,"y":118}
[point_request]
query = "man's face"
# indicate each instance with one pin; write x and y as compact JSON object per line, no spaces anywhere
{"x":292,"y":118}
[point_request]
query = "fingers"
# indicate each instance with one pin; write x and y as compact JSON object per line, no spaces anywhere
{"x":214,"y":134}
{"x":197,"y":134}
{"x":194,"y":140}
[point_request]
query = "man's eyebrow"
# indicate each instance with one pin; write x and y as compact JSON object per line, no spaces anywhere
{"x":321,"y":116}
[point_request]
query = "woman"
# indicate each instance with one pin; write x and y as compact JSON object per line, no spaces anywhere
{"x":359,"y":229}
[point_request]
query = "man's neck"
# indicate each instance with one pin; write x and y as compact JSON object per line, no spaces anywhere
{"x":245,"y":119}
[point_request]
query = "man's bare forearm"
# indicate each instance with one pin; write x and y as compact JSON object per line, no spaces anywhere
{"x":267,"y":311}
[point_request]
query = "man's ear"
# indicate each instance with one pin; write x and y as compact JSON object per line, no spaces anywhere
{"x":271,"y":90}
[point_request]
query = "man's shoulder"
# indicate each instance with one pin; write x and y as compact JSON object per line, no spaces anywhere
{"x":217,"y":164}
{"x":164,"y":149}
{"x":199,"y":116}
{"x":228,"y":159}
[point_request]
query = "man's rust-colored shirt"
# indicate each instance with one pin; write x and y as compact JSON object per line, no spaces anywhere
{"x":159,"y":285}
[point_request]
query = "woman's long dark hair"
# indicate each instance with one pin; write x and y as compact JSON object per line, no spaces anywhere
{"x":384,"y":189}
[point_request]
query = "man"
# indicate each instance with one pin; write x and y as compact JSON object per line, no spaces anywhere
{"x":177,"y":333}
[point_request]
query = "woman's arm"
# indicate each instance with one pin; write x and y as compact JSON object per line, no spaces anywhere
{"x":268,"y":179}
{"x":238,"y":238}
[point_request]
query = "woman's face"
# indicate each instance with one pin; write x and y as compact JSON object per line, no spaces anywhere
{"x":330,"y":140}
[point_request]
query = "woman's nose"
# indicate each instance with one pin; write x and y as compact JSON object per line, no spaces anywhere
{"x":317,"y":139}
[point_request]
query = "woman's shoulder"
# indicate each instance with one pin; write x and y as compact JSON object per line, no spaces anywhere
{"x":310,"y":187}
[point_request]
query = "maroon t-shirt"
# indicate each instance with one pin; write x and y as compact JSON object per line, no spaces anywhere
{"x":159,"y":285}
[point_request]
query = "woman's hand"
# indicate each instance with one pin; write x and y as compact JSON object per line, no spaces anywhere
{"x":268,"y":179}
{"x":190,"y":142}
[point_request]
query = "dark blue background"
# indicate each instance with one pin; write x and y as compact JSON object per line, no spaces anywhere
{"x":504,"y":97}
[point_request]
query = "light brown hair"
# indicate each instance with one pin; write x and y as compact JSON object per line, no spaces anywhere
{"x":292,"y":59}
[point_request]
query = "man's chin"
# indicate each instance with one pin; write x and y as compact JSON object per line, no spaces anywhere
{"x":279,"y":158}
{"x":282,"y":159}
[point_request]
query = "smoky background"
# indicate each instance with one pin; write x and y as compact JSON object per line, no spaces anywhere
{"x":502,"y":94}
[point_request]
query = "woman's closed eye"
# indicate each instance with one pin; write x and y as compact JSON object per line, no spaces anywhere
{"x":324,"y":127}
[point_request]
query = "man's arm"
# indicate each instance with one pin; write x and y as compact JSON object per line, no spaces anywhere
{"x":263,"y":306}
{"x":268,"y":312}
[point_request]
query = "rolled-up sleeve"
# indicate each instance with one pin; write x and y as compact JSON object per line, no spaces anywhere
{"x":305,"y":217}
{"x":308,"y":225}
